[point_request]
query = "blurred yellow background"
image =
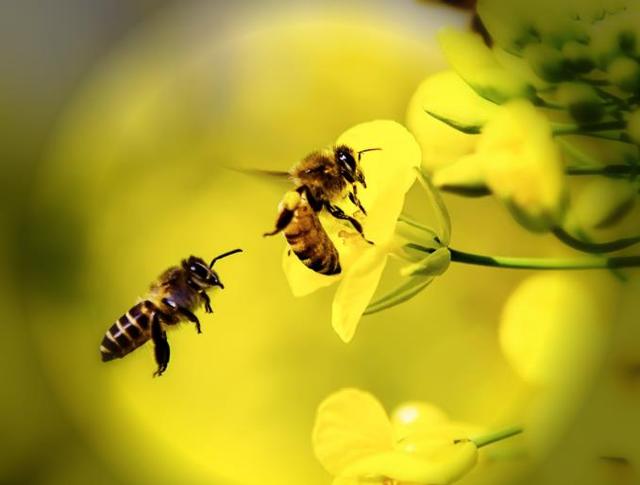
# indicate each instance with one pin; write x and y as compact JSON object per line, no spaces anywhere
{"x":133,"y":179}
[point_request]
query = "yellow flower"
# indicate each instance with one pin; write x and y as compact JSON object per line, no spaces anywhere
{"x":446,"y":96}
{"x":354,"y":439}
{"x":555,"y":332}
{"x":520,"y":163}
{"x":523,"y":166}
{"x":553,"y":328}
{"x":389,"y":174}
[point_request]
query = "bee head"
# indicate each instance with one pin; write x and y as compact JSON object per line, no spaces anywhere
{"x":200,"y":273}
{"x":349,"y":168}
{"x":349,"y":165}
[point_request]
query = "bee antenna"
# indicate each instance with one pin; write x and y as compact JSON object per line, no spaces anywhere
{"x":367,"y":150}
{"x":224,"y":255}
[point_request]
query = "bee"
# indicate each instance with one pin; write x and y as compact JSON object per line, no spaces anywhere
{"x":320,"y":179}
{"x":171,"y":299}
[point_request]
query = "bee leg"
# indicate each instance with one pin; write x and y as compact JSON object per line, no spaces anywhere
{"x":353,"y":197}
{"x":190,"y":316}
{"x":286,"y":210}
{"x":207,"y":302}
{"x":284,"y":218}
{"x":184,"y":311}
{"x":161,"y":346}
{"x":338,"y":213}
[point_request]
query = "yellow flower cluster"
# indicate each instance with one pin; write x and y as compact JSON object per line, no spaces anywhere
{"x":507,"y":149}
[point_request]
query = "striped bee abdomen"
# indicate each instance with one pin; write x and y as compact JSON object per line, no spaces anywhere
{"x":310,"y":242}
{"x":129,"y":332}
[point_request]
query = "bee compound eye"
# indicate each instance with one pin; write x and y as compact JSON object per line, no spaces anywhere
{"x":199,"y":270}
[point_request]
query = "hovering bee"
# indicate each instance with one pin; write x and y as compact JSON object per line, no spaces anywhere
{"x":173,"y":298}
{"x":320,"y":180}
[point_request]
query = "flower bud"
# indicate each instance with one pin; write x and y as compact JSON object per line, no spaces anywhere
{"x":627,"y":41}
{"x":603,"y":202}
{"x":633,"y":126}
{"x":613,"y":36}
{"x":582,"y":101}
{"x":579,"y":57}
{"x":546,"y":62}
{"x":624,"y":72}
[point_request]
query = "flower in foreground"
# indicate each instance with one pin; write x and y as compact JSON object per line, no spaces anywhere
{"x":355,"y":441}
{"x":553,"y":328}
{"x":389,"y":174}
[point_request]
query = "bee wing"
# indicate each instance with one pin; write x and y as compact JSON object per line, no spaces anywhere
{"x":278,"y":176}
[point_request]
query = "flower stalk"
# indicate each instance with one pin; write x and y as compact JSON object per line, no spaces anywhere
{"x":544,"y":263}
{"x":605,"y":170}
{"x":500,"y":435}
{"x":594,"y":247}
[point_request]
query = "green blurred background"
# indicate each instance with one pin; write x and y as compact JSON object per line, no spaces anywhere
{"x":119,"y":118}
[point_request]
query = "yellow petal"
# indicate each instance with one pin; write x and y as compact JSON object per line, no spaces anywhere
{"x":467,"y":173}
{"x":423,"y":429}
{"x":476,"y":64}
{"x":350,"y":424}
{"x":447,"y":95}
{"x":410,"y":416}
{"x":301,"y":279}
{"x":350,"y":481}
{"x":441,"y":144}
{"x":355,"y":291}
{"x":448,"y":465}
{"x":389,"y":172}
{"x":523,"y":166}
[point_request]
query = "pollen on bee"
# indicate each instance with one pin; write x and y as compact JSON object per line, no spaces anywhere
{"x":291,"y":200}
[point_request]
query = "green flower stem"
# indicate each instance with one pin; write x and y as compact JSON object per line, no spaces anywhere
{"x":565,"y":129}
{"x":577,"y":155}
{"x":593,"y":247}
{"x":606,"y":170}
{"x":497,"y":436}
{"x":543,"y":263}
{"x":621,"y":137}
